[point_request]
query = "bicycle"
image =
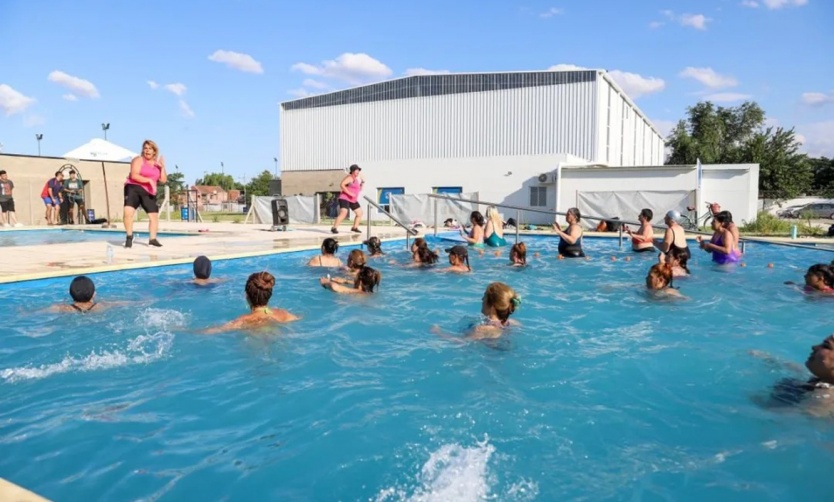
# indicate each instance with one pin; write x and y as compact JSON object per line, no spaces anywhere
{"x":689,"y":221}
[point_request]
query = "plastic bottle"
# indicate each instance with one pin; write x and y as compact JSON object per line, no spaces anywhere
{"x":109,"y":254}
{"x":793,"y":232}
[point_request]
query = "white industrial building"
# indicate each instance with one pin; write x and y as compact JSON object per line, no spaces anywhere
{"x":519,"y":138}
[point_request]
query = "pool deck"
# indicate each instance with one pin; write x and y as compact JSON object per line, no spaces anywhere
{"x":216,"y":240}
{"x":10,"y":492}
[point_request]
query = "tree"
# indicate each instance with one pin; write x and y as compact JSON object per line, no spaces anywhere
{"x":259,"y":184}
{"x":718,"y":135}
{"x":823,"y":169}
{"x":176,"y":182}
{"x":224,"y":181}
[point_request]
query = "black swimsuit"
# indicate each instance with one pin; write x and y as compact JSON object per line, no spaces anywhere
{"x":571,"y":250}
{"x":685,"y":249}
{"x":79,"y":309}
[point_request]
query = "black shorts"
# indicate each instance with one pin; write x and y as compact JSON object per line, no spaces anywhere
{"x":643,"y":250}
{"x":136,"y":196}
{"x":343,"y":204}
{"x":7,"y":206}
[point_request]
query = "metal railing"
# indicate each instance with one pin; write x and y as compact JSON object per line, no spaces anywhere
{"x":408,"y":231}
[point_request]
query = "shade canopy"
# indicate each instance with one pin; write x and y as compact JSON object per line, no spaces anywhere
{"x":100,"y":149}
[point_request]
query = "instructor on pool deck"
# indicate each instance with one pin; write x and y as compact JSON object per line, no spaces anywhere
{"x":349,"y":199}
{"x":146,"y":171}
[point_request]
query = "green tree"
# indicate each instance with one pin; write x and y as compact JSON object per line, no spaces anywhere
{"x":176,"y":182}
{"x":719,"y":135}
{"x":224,"y":181}
{"x":823,"y":169}
{"x":259,"y":184}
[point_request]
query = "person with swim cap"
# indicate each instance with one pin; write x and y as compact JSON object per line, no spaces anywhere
{"x":82,"y":290}
{"x":675,"y":235}
{"x":258,"y":291}
{"x":202,"y":271}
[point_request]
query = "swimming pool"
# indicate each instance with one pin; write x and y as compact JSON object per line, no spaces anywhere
{"x":66,"y":236}
{"x":600,"y":394}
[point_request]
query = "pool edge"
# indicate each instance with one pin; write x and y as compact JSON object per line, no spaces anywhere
{"x":10,"y":492}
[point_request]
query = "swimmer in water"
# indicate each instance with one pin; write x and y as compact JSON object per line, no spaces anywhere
{"x":677,"y":258}
{"x":643,"y":240}
{"x":819,"y":279}
{"x":570,"y":241}
{"x":258,"y":291}
{"x":374,"y":247}
{"x":458,"y":259}
{"x":355,"y":262}
{"x":518,"y":255}
{"x":659,"y":281}
{"x":366,"y":280}
{"x":815,"y":395}
{"x":497,"y":305}
{"x":202,"y":272}
{"x":328,"y":256}
{"x":722,"y":245}
{"x":83,"y":293}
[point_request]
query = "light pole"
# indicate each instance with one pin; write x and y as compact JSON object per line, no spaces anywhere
{"x":105,"y":127}
{"x":275,"y":159}
{"x":39,"y":137}
{"x":222,"y":169}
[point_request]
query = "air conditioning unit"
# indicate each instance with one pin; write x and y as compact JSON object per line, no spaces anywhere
{"x":547,"y":178}
{"x":543,"y":178}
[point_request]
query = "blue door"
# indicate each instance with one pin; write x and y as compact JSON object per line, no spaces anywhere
{"x":384,"y":195}
{"x":449,"y":190}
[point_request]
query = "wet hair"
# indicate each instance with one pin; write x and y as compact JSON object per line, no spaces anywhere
{"x":726,"y":217}
{"x":367,"y":279}
{"x":259,"y":289}
{"x":647,"y":213}
{"x":82,"y":289}
{"x":202,"y":267}
{"x":374,"y":246}
{"x":575,"y":211}
{"x":461,"y":253}
{"x":427,"y":256}
{"x":329,"y":246}
{"x":681,"y":256}
{"x":478,"y":217}
{"x":503,"y":299}
{"x":662,"y":271}
{"x":356,"y":259}
{"x":420,"y":243}
{"x":519,"y":250}
{"x":823,"y":271}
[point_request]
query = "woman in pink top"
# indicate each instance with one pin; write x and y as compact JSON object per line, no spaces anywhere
{"x":349,"y":199}
{"x":146,"y":171}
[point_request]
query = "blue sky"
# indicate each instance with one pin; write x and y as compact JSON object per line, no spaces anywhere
{"x":205,"y":79}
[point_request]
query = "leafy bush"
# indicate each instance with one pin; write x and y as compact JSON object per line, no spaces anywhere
{"x":236,"y":219}
{"x":766,"y":224}
{"x":215,"y":219}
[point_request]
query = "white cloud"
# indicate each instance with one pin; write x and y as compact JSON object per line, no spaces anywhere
{"x":750,"y":3}
{"x":70,"y":97}
{"x":77,"y":85}
{"x":778,"y":4}
{"x":709,"y":77}
{"x":656,"y":24}
{"x":12,"y":102}
{"x":411,"y":72}
{"x":817,"y":98}
{"x":237,"y":60}
{"x":727,"y":97}
{"x":176,"y":88}
{"x":818,"y":138}
{"x":301,"y":92}
{"x":697,"y":21}
{"x":553,"y":11}
{"x":566,"y":67}
{"x":637,"y":85}
{"x":315,"y":84}
{"x":33,"y":120}
{"x":152,"y":84}
{"x":349,"y":67}
{"x":186,"y":110}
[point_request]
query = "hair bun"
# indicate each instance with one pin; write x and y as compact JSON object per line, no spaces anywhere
{"x":265,"y":280}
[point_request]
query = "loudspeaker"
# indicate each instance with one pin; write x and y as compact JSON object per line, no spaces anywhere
{"x":280,"y":213}
{"x":275,"y":187}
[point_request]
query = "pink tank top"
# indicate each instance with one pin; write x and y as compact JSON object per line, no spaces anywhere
{"x":149,"y":170}
{"x":352,"y":194}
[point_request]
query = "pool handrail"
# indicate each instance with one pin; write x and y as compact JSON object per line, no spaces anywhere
{"x":408,"y":231}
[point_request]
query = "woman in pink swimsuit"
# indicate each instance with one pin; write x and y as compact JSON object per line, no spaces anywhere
{"x":146,"y":172}
{"x":349,"y":199}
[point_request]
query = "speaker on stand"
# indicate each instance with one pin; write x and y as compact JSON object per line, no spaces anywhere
{"x":280,"y":215}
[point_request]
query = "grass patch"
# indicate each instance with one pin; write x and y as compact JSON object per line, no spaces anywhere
{"x":766,"y":224}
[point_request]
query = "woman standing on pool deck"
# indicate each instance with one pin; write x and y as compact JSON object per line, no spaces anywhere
{"x":351,"y":186}
{"x":258,"y":291}
{"x":494,"y":230}
{"x":476,"y":236}
{"x":722,"y":245}
{"x":146,"y":172}
{"x":570,"y":242}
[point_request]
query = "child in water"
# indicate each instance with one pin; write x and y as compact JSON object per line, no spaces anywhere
{"x":497,"y":305}
{"x":366,"y":280}
{"x":258,"y":291}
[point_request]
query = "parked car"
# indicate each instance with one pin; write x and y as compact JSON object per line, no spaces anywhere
{"x":814,"y":210}
{"x":788,"y":212}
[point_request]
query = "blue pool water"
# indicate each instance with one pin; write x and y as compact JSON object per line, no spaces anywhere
{"x":65,"y":236}
{"x":600,"y":394}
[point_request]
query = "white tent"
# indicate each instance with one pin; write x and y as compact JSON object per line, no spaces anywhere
{"x":99,"y":149}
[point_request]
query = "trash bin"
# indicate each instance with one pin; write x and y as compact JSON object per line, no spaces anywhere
{"x":184,"y":213}
{"x":91,"y":215}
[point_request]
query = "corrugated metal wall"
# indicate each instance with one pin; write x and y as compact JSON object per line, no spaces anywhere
{"x":525,"y":121}
{"x":625,"y":137}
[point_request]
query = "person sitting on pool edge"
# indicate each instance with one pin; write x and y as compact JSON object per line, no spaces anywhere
{"x":458,"y":259}
{"x":258,"y":290}
{"x":82,"y":290}
{"x":570,"y":241}
{"x":374,"y":247}
{"x":643,"y":240}
{"x":518,"y":255}
{"x":659,"y":280}
{"x":366,"y":280}
{"x":499,"y":302}
{"x":328,"y":257}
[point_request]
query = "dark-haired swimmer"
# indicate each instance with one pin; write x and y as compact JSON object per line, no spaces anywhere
{"x":328,"y":256}
{"x":374,"y":247}
{"x":366,"y":280}
{"x":258,"y":291}
{"x":458,"y":259}
{"x":82,"y":290}
{"x":570,"y":241}
{"x":202,"y":272}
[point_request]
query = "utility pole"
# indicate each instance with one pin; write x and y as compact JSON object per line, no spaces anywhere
{"x":39,"y":137}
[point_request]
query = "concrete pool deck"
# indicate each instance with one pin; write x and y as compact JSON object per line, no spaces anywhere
{"x":10,"y":492}
{"x":216,"y":240}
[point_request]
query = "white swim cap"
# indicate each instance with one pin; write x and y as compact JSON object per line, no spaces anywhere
{"x":673,"y":215}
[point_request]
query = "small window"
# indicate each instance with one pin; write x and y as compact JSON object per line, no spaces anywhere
{"x":449,"y":190}
{"x":384,"y":194}
{"x":538,"y":196}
